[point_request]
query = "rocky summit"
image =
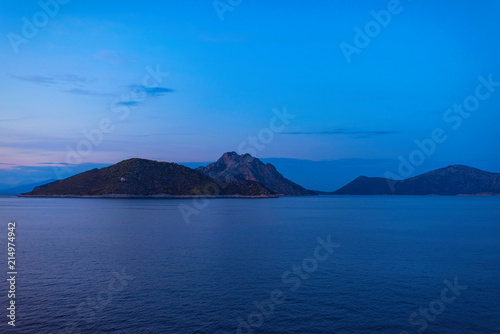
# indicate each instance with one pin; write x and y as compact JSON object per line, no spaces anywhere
{"x":232,"y":167}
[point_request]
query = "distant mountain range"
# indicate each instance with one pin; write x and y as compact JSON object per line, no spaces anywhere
{"x":147,"y":178}
{"x":235,"y":175}
{"x":23,"y":188}
{"x":451,"y":180}
{"x":233,"y":167}
{"x":324,"y":175}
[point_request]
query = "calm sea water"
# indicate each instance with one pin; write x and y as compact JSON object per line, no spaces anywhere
{"x":243,"y":266}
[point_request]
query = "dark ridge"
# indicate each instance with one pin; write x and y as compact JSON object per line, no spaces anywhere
{"x":233,"y":167}
{"x":451,"y":180}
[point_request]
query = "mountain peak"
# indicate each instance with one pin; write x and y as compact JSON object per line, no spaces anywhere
{"x":465,"y":168}
{"x":230,"y":154}
{"x":450,"y":180}
{"x":454,"y":171}
{"x":232,"y":167}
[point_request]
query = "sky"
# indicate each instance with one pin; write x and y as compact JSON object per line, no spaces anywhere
{"x":94,"y":82}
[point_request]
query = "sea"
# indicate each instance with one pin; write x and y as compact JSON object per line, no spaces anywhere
{"x":322,"y":264}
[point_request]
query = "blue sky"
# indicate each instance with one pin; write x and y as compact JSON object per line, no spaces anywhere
{"x":225,"y":77}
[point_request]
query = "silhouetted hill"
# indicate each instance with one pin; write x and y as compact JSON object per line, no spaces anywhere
{"x":232,"y":166}
{"x":140,"y":177}
{"x":451,"y":180}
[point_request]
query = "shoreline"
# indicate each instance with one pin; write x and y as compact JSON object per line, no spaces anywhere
{"x":164,"y":196}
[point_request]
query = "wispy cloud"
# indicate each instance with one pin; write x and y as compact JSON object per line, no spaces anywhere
{"x":46,"y":80}
{"x":80,"y":91}
{"x":128,"y":103}
{"x":54,"y":163}
{"x":67,"y":83}
{"x":352,"y":133}
{"x":152,"y":91}
{"x":165,"y":134}
{"x":138,"y":93}
{"x":77,"y":85}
